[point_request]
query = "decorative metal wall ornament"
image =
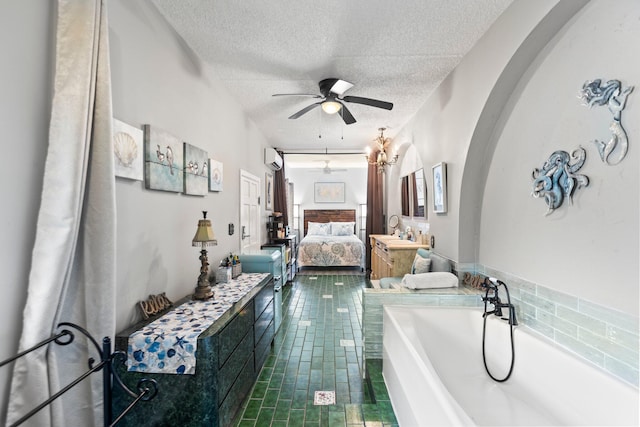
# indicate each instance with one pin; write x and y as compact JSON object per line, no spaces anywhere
{"x":558,"y":178}
{"x":615,"y":97}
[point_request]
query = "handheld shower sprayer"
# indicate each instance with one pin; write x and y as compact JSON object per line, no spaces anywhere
{"x":491,"y":284}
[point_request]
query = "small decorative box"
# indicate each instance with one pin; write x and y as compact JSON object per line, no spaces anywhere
{"x":236,"y":270}
{"x":223,"y":275}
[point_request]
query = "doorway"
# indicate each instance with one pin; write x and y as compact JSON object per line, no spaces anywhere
{"x":250,"y":237}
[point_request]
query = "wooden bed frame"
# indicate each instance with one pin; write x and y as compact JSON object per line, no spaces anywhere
{"x":328,"y":215}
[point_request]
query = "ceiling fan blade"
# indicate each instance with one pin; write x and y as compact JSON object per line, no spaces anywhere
{"x":346,"y":115}
{"x":340,"y":87}
{"x":326,"y":85}
{"x":313,"y":95}
{"x":305,"y":110}
{"x":368,"y":101}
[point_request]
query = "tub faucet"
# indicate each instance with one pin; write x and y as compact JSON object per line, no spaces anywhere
{"x":491,"y":285}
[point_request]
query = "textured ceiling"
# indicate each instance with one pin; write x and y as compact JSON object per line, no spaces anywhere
{"x":392,"y":51}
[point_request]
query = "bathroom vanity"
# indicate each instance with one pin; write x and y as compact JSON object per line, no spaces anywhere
{"x":392,"y":256}
{"x":230,"y":353}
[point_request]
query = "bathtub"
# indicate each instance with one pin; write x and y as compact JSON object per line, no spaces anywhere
{"x":432,"y":365}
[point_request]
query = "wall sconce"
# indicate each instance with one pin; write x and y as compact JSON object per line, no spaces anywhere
{"x":382,"y":159}
{"x":204,"y":237}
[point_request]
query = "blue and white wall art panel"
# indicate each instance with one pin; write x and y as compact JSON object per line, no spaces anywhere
{"x":196,"y":170}
{"x":163,"y":159}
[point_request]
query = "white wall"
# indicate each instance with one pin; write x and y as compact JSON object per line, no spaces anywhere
{"x":26,"y":76}
{"x":442,"y":130}
{"x":156,"y":80}
{"x":589,"y":249}
{"x":355,"y":180}
{"x":509,"y":104}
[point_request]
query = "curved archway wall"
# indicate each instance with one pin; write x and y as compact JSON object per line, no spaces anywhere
{"x":589,"y":249}
{"x":510,"y":103}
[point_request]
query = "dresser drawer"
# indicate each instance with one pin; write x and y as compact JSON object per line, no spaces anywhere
{"x":263,"y":321}
{"x":382,"y":253}
{"x":229,"y":372}
{"x":263,"y":299}
{"x":235,"y":330}
{"x":240,"y":388}
{"x":263,"y":346}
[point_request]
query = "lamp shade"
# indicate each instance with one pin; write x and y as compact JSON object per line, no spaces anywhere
{"x":204,"y":234}
{"x":331,"y":107}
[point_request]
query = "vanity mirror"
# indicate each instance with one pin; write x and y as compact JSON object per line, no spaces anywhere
{"x":394,"y":221}
{"x":414,"y":195}
{"x":404,"y":198}
{"x":419,"y":194}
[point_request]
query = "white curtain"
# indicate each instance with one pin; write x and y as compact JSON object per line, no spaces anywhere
{"x":72,"y":274}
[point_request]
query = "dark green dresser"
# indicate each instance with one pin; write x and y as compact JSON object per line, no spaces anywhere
{"x":229,"y":357}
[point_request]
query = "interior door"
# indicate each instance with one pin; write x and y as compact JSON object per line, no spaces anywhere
{"x":249,"y":212}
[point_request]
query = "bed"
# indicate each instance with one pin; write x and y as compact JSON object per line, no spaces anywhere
{"x":330,"y":239}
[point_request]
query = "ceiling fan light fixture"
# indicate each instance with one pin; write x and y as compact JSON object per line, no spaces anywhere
{"x":331,"y":107}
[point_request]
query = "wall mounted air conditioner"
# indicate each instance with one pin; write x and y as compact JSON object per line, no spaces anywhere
{"x":272,"y":159}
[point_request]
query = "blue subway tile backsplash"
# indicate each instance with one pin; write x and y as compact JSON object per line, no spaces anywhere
{"x":605,"y":337}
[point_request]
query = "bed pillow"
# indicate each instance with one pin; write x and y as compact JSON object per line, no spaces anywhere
{"x":318,"y":229}
{"x":342,"y":228}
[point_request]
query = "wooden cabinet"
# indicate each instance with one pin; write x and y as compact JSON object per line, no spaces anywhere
{"x":390,"y":256}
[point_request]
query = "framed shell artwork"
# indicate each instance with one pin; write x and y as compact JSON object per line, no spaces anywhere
{"x":127,"y":144}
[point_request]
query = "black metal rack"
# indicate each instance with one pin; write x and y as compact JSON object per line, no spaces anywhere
{"x":147,"y":388}
{"x":275,"y":227}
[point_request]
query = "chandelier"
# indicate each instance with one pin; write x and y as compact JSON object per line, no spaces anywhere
{"x":382,"y":158}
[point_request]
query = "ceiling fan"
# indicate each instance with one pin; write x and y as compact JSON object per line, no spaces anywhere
{"x":332,"y":101}
{"x":327,"y":169}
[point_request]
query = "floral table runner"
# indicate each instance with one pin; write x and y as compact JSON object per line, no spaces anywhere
{"x":168,"y":344}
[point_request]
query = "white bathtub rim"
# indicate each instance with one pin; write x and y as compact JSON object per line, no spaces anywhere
{"x":526,"y":331}
{"x":447,"y":402}
{"x":523,"y":328}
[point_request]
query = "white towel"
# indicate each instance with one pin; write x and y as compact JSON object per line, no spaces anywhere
{"x":431,"y":280}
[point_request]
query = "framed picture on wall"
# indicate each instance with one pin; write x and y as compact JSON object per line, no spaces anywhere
{"x":196,"y":170}
{"x":268,"y":191}
{"x":128,"y":143}
{"x":163,"y":160}
{"x":329,"y":192}
{"x":440,"y":188}
{"x":215,"y":175}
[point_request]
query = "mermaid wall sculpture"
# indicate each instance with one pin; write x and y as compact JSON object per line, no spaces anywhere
{"x":558,"y":178}
{"x":612,"y":95}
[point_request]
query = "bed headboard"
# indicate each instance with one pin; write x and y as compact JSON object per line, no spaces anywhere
{"x":328,"y":215}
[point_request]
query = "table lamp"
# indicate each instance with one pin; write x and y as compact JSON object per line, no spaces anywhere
{"x":204,"y":237}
